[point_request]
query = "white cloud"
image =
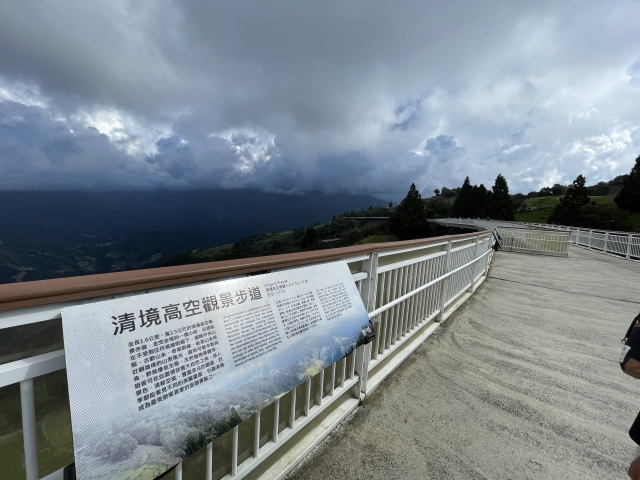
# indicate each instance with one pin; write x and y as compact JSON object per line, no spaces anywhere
{"x":300,"y":97}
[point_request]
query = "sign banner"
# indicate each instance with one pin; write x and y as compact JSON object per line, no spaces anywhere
{"x":154,"y":377}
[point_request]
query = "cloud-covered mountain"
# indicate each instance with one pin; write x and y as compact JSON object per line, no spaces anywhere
{"x":220,"y":216}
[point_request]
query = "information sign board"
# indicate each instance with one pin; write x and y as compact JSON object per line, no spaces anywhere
{"x":154,"y":377}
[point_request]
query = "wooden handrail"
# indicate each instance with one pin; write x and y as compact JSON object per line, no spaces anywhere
{"x":46,"y":292}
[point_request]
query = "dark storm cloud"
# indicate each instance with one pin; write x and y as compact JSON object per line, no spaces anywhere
{"x":444,"y":148}
{"x":332,"y":96}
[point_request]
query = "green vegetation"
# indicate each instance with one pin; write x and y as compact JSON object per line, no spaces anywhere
{"x":409,"y":220}
{"x":570,"y":207}
{"x":25,"y":259}
{"x":540,"y":203}
{"x":629,"y":196}
{"x":53,"y":427}
{"x":471,"y":201}
{"x":344,"y":230}
{"x":578,"y":210}
{"x":476,"y":201}
{"x":533,"y":217}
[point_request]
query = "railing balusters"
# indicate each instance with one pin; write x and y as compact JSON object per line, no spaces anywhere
{"x":396,"y":309}
{"x":403,"y":290}
{"x":384,"y":318}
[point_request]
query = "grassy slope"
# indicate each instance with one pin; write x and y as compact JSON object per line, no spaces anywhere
{"x":548,"y":203}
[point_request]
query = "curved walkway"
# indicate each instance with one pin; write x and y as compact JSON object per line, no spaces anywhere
{"x":521,"y":382}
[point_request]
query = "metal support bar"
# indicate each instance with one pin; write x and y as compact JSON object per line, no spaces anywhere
{"x":256,"y":435}
{"x":276,"y":419}
{"x":369,"y":286}
{"x":27,"y":401}
{"x":308,"y":398}
{"x":474,"y":267}
{"x":444,"y":282}
{"x":209,"y":471}
{"x":234,"y":452}
{"x":629,"y":242}
{"x":292,"y":415}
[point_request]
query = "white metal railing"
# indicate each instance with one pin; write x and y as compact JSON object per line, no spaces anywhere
{"x":620,"y":244}
{"x":408,"y":291}
{"x":517,"y":237}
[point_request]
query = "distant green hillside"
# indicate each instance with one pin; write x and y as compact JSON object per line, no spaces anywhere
{"x":342,"y":231}
{"x":25,"y":259}
{"x":544,"y":206}
{"x":550,"y":202}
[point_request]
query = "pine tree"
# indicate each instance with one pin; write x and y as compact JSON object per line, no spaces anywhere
{"x":310,"y":238}
{"x":569,"y":211}
{"x":462,"y":206}
{"x":479,"y":198}
{"x":499,"y":205}
{"x":629,"y":196}
{"x":409,"y":220}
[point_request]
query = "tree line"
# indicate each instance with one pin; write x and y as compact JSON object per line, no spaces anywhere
{"x":577,"y":210}
{"x":409,"y":220}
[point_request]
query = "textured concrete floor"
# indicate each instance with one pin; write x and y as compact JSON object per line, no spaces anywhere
{"x":521,"y":382}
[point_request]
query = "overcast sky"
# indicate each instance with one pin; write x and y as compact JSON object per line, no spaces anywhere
{"x":360,"y":97}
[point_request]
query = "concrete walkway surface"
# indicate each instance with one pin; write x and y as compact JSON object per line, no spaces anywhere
{"x":522,"y":382}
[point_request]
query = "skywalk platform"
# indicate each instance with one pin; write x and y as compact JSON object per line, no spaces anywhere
{"x":521,"y":382}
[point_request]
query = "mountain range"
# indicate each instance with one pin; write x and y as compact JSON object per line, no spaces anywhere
{"x":61,"y":234}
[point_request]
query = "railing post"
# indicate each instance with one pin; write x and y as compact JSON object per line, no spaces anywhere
{"x":485,"y":272}
{"x":256,"y":435}
{"x":474,"y":267}
{"x":27,"y":401}
{"x":606,"y":239}
{"x":234,"y":452}
{"x":629,"y":242}
{"x":363,"y":354}
{"x":443,"y":282}
{"x":577,"y":237}
{"x":369,"y":285}
{"x":589,"y":242}
{"x":209,"y":462}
